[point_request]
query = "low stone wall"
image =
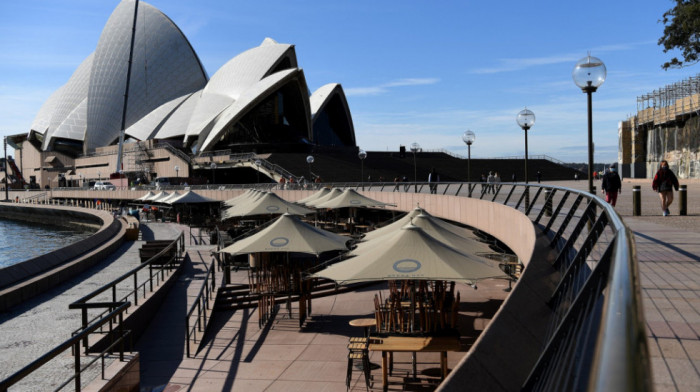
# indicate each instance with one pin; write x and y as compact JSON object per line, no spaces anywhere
{"x":24,"y":280}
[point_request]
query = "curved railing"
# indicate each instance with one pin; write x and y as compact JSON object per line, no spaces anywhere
{"x":595,"y":339}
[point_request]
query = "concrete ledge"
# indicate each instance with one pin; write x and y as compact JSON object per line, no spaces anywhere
{"x":25,"y":280}
{"x":119,"y":376}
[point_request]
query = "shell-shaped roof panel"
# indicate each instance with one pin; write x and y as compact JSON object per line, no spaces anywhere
{"x":73,"y":126}
{"x":148,"y":125}
{"x":329,"y":102}
{"x":42,"y":119}
{"x":234,"y":78}
{"x":248,"y":100}
{"x":176,"y":124}
{"x":73,"y":94}
{"x":320,"y":97}
{"x":163,"y":67}
{"x":250,"y":67}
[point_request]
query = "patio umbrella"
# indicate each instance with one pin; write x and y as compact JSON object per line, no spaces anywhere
{"x":335,"y":192}
{"x":350,"y":198}
{"x":190,"y":197}
{"x":170,"y":197}
{"x":243,"y":197}
{"x":410,"y":254}
{"x":438,"y":229}
{"x":160,"y":195}
{"x":317,"y":195}
{"x":267,"y":204}
{"x":393,"y":227}
{"x":147,"y":196}
{"x":289,"y":234}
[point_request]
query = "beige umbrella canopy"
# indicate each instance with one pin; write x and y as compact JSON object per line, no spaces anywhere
{"x":147,"y":196}
{"x":438,"y":229}
{"x":170,"y":197}
{"x":335,"y":192}
{"x":244,"y":197}
{"x":190,"y":197}
{"x":350,"y":198}
{"x":160,"y":195}
{"x":410,"y":254}
{"x":267,"y":204}
{"x":317,"y":195}
{"x":393,"y":227}
{"x":289,"y":234}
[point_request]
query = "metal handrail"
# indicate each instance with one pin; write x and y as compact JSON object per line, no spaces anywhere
{"x":84,"y":305}
{"x":596,"y":338}
{"x":74,"y":344}
{"x":201,"y":304}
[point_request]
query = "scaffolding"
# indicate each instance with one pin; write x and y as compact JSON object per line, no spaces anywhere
{"x":668,"y":103}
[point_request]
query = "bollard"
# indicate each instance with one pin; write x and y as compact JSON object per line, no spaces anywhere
{"x":683,"y":200}
{"x":636,"y":200}
{"x":547,"y":202}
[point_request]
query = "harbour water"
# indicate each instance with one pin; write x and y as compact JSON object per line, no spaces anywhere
{"x":20,"y":241}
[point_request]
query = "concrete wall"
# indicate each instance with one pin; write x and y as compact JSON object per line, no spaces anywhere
{"x":22,"y":281}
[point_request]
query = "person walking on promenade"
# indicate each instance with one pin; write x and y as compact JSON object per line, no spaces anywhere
{"x":612,"y":185}
{"x":484,"y":186}
{"x":490,"y":181}
{"x":433,"y":179}
{"x":497,"y":180}
{"x":539,"y":177}
{"x":665,"y":182}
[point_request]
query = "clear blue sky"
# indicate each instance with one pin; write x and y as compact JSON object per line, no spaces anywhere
{"x":413,"y":71}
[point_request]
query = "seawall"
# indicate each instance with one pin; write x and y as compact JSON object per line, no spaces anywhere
{"x":24,"y":280}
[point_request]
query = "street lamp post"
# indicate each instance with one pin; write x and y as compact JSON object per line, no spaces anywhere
{"x":468,"y":138}
{"x":310,"y":160}
{"x":525,"y":119}
{"x":362,"y":154}
{"x":212,"y":166}
{"x":7,"y":191}
{"x":414,"y":149}
{"x":257,"y":171}
{"x":177,"y":172}
{"x":589,"y":73}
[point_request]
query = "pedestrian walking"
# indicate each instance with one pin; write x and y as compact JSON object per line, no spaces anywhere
{"x":665,"y":182}
{"x":539,"y":177}
{"x":611,"y":186}
{"x":490,"y":180}
{"x":433,"y":179}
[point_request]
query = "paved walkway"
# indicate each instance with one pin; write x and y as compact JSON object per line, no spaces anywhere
{"x":31,"y":329}
{"x":239,"y":356}
{"x":668,"y":251}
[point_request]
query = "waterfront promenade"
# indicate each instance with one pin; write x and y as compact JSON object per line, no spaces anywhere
{"x":240,"y":356}
{"x":237,"y":355}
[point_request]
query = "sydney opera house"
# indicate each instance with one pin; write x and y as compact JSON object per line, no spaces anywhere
{"x":142,"y":104}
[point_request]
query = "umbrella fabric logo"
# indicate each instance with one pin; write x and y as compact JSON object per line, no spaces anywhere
{"x":279,"y":242}
{"x":355,"y":202}
{"x":407,"y":266}
{"x":272,"y":208}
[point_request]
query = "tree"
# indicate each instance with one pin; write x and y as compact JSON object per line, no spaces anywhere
{"x":682,"y":32}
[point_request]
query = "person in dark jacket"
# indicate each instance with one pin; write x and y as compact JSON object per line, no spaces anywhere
{"x":665,"y":182}
{"x":611,"y":186}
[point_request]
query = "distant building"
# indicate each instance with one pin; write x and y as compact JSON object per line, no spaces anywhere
{"x":666,"y":126}
{"x":144,"y":84}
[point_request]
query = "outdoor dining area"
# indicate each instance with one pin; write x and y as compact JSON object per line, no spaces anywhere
{"x":420,"y":270}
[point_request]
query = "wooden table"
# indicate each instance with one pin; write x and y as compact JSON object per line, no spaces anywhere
{"x":390,"y":344}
